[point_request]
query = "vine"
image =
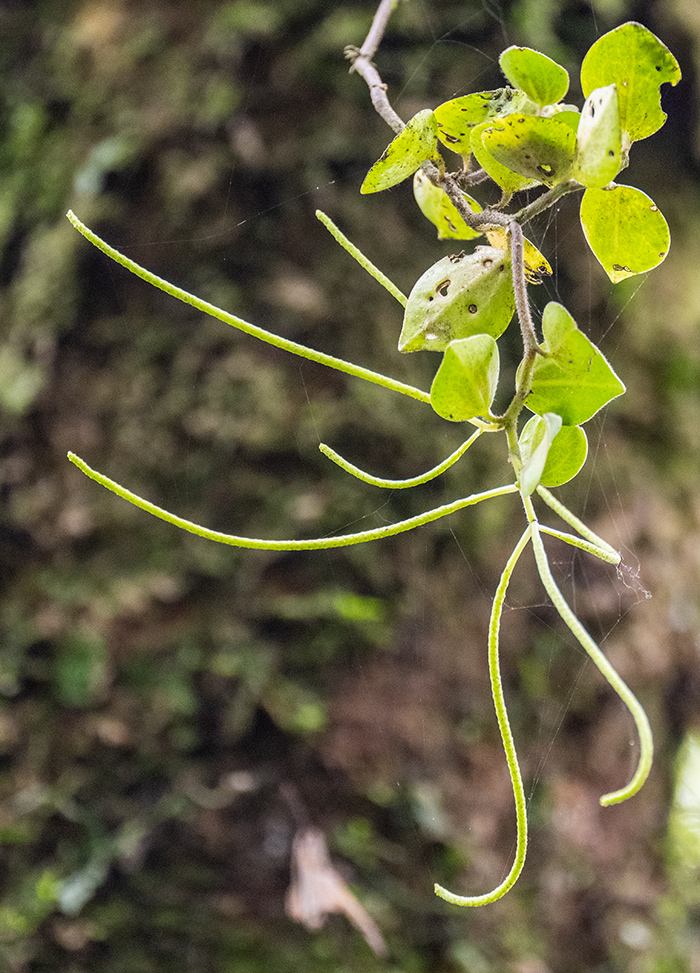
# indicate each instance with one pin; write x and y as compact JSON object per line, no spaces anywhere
{"x":521,"y":137}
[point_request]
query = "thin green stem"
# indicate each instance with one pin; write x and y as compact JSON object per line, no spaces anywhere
{"x":570,"y":518}
{"x":546,"y":200}
{"x":612,"y":557}
{"x":251,"y":329}
{"x":618,"y":684}
{"x":399,"y":484}
{"x":360,"y":258}
{"x":318,"y":543}
{"x":508,"y":745}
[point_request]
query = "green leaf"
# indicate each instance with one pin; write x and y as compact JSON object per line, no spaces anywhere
{"x":460,"y":295}
{"x":599,"y":150}
{"x":534,"y":147}
{"x":566,"y":455}
{"x":416,"y":144}
{"x":536,"y":455}
{"x":541,"y":78}
{"x":575,"y":380}
{"x":466,"y":381}
{"x":625,"y":230}
{"x":437,"y":206}
{"x":635,"y":60}
{"x":457,"y":118}
{"x":509,"y":181}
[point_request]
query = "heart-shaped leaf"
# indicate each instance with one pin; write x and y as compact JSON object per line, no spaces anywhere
{"x":457,"y":118}
{"x":437,"y":206}
{"x":536,"y":456}
{"x":635,"y":60}
{"x":625,"y":230}
{"x":534,"y":147}
{"x":575,"y":380}
{"x":466,"y":381}
{"x":541,"y":78}
{"x":460,"y":295}
{"x":507,"y":179}
{"x":567,"y":452}
{"x":416,"y":144}
{"x":599,"y":149}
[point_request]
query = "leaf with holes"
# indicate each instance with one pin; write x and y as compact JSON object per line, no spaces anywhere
{"x":534,"y":147}
{"x":599,"y":146}
{"x":509,"y":181}
{"x":466,"y":381}
{"x":416,"y":144}
{"x":635,"y":60}
{"x":574,"y":380}
{"x":541,"y":78}
{"x":625,"y":230}
{"x":457,"y":118}
{"x":536,"y":456}
{"x":460,"y":295}
{"x":565,"y":455}
{"x":536,"y":265}
{"x":436,"y":205}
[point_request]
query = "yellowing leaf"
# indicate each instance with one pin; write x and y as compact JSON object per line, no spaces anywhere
{"x":625,"y":230}
{"x":416,"y":144}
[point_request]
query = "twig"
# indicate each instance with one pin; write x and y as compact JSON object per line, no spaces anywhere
{"x":361,"y":63}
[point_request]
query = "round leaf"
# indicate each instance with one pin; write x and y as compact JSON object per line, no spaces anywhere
{"x":635,"y":60}
{"x":436,"y":205}
{"x":574,"y":380}
{"x":541,"y":78}
{"x":509,"y":181}
{"x":567,"y":452}
{"x":457,"y":118}
{"x":625,"y":230}
{"x":534,"y":147}
{"x":466,"y":381}
{"x":416,"y":144}
{"x":460,"y":295}
{"x":599,"y":149}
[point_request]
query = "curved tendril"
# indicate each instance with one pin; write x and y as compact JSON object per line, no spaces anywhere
{"x":612,"y":557}
{"x":235,"y":322}
{"x":641,"y":721}
{"x":317,"y":543}
{"x":398,"y":484}
{"x":558,"y":507}
{"x":508,"y":745}
{"x":363,"y":261}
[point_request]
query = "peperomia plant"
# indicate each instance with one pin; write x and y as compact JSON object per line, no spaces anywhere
{"x":521,"y":137}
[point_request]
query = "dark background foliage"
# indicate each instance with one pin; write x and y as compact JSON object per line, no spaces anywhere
{"x":156,"y":691}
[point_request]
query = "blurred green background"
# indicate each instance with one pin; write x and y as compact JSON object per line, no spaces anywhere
{"x":157,"y":692}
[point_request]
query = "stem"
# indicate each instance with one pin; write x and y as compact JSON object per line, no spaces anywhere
{"x":546,"y":200}
{"x":318,"y":543}
{"x":522,"y":305}
{"x":361,"y":63}
{"x":641,"y":721}
{"x":272,"y":339}
{"x":399,"y":484}
{"x":508,"y":745}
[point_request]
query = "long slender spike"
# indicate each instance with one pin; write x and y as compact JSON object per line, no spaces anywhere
{"x":318,"y":543}
{"x":363,"y":261}
{"x":508,"y":745}
{"x":640,"y":718}
{"x":235,"y":322}
{"x":399,"y":484}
